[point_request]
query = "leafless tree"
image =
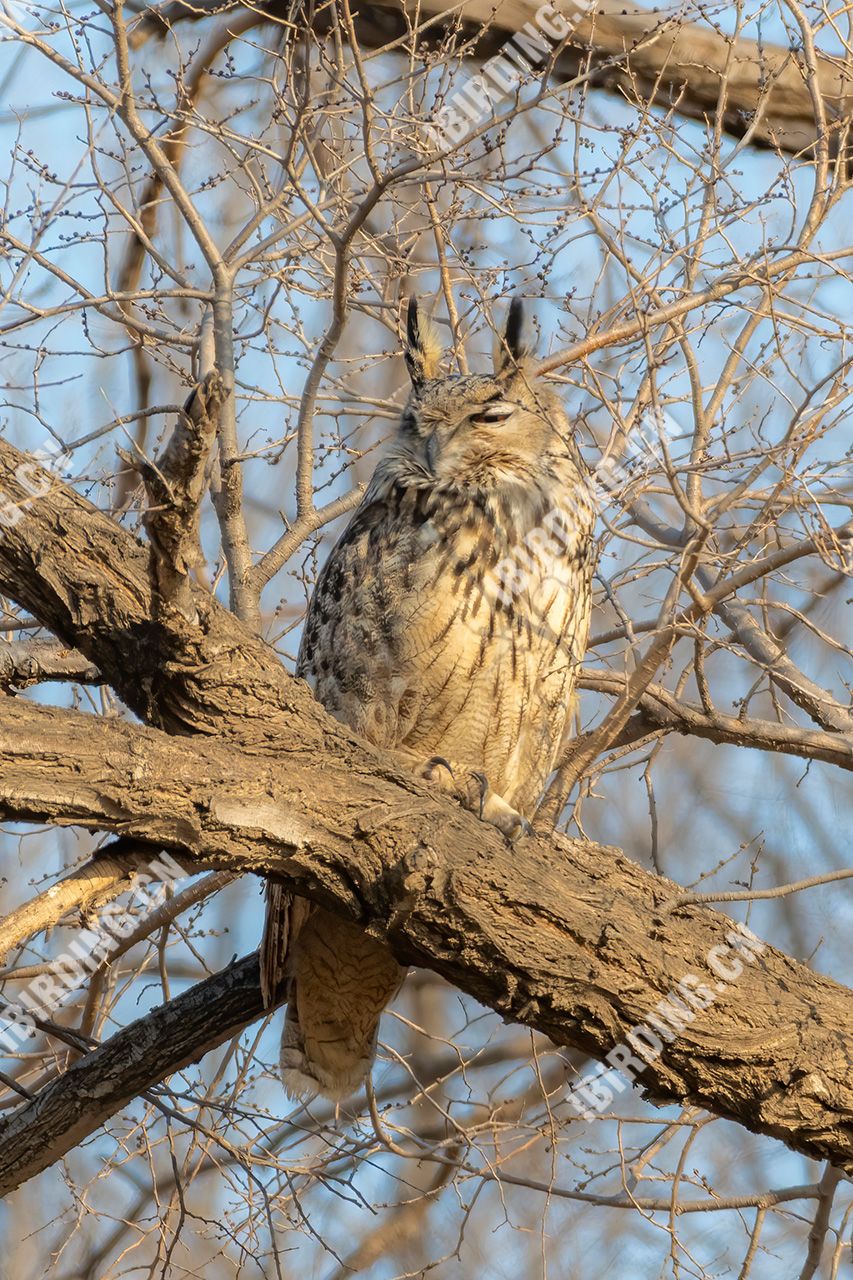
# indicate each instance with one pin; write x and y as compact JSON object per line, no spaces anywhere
{"x":211,"y":216}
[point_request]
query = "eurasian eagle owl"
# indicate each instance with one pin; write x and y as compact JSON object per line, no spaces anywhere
{"x":440,"y":627}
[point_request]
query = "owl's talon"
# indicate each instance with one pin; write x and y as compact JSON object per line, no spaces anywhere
{"x":484,"y":790}
{"x":472,"y":788}
{"x":431,"y":764}
{"x":492,"y":808}
{"x":507,"y":820}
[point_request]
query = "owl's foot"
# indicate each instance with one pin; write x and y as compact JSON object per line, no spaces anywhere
{"x":472,"y":789}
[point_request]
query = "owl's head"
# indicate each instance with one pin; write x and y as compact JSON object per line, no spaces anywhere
{"x":480,"y":430}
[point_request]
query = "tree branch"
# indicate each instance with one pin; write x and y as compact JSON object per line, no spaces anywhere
{"x":763,"y":649}
{"x":660,"y":710}
{"x":86,"y":579}
{"x":24,"y":663}
{"x":99,"y":1084}
{"x":565,"y":936}
{"x":97,"y":880}
{"x":175,"y":487}
{"x":650,"y":55}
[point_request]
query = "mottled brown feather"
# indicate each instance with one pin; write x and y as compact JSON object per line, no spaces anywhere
{"x":408,"y":641}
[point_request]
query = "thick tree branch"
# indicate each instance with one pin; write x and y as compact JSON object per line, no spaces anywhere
{"x":135,"y":1058}
{"x":27,"y":662}
{"x":86,"y":579}
{"x":175,"y":486}
{"x":647,"y":54}
{"x":565,"y":936}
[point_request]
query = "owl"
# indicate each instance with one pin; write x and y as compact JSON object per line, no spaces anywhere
{"x":448,"y":623}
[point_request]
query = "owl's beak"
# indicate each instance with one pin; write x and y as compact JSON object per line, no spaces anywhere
{"x":432,"y":450}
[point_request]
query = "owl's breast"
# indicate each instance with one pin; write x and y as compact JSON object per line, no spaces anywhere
{"x":410,"y":641}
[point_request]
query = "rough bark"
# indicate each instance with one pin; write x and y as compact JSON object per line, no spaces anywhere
{"x":86,"y":579}
{"x":565,"y":936}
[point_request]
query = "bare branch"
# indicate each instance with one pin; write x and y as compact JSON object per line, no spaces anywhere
{"x":661,"y":710}
{"x":93,"y":883}
{"x":175,"y":486}
{"x":652,"y":55}
{"x":135,"y":1058}
{"x":28,"y":662}
{"x":817,"y":1236}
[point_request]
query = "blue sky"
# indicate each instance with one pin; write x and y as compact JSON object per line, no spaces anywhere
{"x":74,"y":374}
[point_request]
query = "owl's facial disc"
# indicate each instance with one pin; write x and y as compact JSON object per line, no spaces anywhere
{"x":471,"y":434}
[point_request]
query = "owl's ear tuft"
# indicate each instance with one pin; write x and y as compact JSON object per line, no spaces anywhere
{"x":423,"y":346}
{"x":516,"y":344}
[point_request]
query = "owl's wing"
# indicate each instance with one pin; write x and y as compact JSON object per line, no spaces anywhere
{"x":341,"y":578}
{"x":353,"y":644}
{"x":284,"y":918}
{"x":332,"y":661}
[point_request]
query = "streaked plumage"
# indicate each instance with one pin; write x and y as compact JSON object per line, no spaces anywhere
{"x":410,"y":641}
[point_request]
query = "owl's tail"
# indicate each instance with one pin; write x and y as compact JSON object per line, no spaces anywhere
{"x":339,"y":980}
